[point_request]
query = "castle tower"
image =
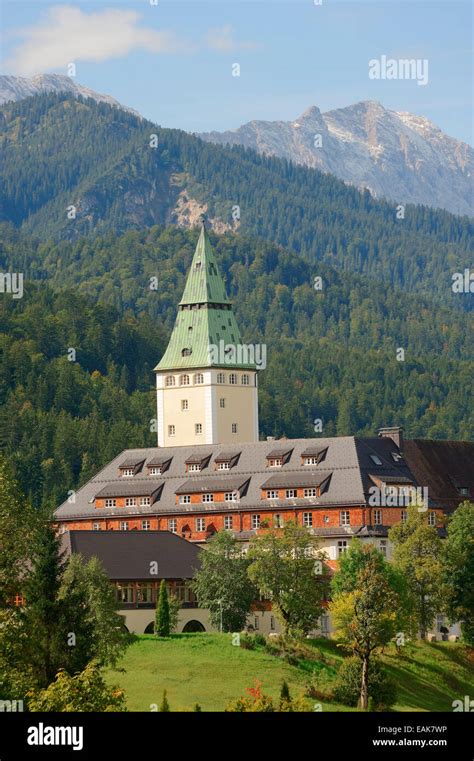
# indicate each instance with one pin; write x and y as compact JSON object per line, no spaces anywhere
{"x":206,"y":380}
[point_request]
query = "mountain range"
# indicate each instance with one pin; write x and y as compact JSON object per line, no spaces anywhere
{"x":394,"y":154}
{"x":72,"y":167}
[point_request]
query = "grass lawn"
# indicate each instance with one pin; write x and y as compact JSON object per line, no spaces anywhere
{"x":207,"y":669}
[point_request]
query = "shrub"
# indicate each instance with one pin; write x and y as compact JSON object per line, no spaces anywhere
{"x":256,"y":701}
{"x":84,"y":692}
{"x":382,"y":690}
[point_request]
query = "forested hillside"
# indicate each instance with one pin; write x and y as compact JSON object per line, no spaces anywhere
{"x":59,"y":152}
{"x":331,"y":353}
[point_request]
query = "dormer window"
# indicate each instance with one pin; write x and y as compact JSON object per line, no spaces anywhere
{"x":127,"y":472}
{"x":397,"y":457}
{"x":196,"y":463}
{"x":463,"y":491}
{"x":197,"y":265}
{"x":154,"y":471}
{"x":272,"y":494}
{"x":223,"y":465}
{"x":131,"y":467}
{"x":111,"y":503}
{"x":186,"y":352}
{"x":158,"y":465}
{"x":278,"y":457}
{"x":226,"y":460}
{"x":194,"y":467}
{"x":313,"y":456}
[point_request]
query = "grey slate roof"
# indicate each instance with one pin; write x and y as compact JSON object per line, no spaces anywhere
{"x":129,"y":554}
{"x":347,"y":459}
{"x":130,"y":487}
{"x":311,"y":478}
{"x":212,"y":484}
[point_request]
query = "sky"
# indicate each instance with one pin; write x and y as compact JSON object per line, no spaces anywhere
{"x":174,"y":60}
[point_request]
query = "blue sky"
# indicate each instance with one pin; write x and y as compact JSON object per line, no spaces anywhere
{"x":173,"y":61}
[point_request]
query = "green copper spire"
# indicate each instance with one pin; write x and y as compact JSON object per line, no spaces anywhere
{"x":205,"y":318}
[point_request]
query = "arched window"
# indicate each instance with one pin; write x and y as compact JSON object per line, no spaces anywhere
{"x":233,"y":379}
{"x":170,"y":380}
{"x":198,"y":379}
{"x":184,"y":380}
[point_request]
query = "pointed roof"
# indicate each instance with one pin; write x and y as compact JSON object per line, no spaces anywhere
{"x":204,"y":284}
{"x":205,"y":318}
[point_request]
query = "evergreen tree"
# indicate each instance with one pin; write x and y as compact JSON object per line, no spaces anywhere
{"x":162,"y":615}
{"x":164,"y":706}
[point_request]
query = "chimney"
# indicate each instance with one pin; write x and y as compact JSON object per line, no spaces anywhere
{"x":395,"y":433}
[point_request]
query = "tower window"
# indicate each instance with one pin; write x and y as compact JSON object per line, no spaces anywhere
{"x":245,"y":380}
{"x":198,"y":429}
{"x":198,"y":379}
{"x":233,"y":379}
{"x":184,"y":404}
{"x":184,"y":380}
{"x":234,"y":427}
{"x":186,"y":352}
{"x":222,"y":403}
{"x":171,"y":430}
{"x":221,"y":377}
{"x":170,"y":380}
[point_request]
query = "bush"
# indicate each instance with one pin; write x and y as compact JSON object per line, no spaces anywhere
{"x":256,"y":701}
{"x":382,"y":690}
{"x":84,"y":692}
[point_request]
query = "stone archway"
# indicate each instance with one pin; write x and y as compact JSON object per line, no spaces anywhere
{"x":150,"y":629}
{"x":193,"y":626}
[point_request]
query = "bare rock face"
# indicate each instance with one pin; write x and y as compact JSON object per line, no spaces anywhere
{"x":18,"y":88}
{"x":393,"y":154}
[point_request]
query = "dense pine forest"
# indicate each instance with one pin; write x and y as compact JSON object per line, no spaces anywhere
{"x":332,"y":353}
{"x":59,"y":152}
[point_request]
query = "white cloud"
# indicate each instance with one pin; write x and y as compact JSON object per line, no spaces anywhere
{"x":68,"y":35}
{"x":222,"y":40}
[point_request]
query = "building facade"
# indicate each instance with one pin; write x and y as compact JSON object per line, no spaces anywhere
{"x":211,"y":473}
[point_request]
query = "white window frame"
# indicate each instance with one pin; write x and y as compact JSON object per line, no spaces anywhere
{"x":308,"y":520}
{"x":231,"y":496}
{"x":342,"y":547}
{"x":233,"y":379}
{"x":146,"y":525}
{"x":228,"y":521}
{"x":221,"y":378}
{"x":207,"y":497}
{"x":184,"y":380}
{"x":310,"y":492}
{"x":110,"y":502}
{"x":198,"y":429}
{"x":171,"y":430}
{"x":198,"y":379}
{"x":123,"y":525}
{"x":344,"y":518}
{"x":223,"y":465}
{"x":96,"y":526}
{"x":290,"y":494}
{"x":145,"y":501}
{"x":184,"y":405}
{"x":170,"y":380}
{"x":432,"y":518}
{"x":173,"y":525}
{"x":255,"y":521}
{"x":200,"y":524}
{"x":130,"y":501}
{"x":272,"y":493}
{"x":127,"y":472}
{"x":184,"y":499}
{"x":378,"y":515}
{"x":154,"y":470}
